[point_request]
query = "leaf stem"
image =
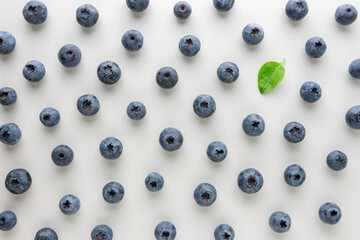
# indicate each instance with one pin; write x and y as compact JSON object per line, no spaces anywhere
{"x":282,"y":61}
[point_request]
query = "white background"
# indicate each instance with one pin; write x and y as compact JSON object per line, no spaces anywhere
{"x":136,"y":216}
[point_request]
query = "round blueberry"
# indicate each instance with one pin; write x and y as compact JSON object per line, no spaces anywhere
{"x":182,"y":10}
{"x":102,"y":232}
{"x":113,"y":192}
{"x":228,"y":72}
{"x":171,"y":139}
{"x":132,"y":40}
{"x":69,"y":55}
{"x":253,"y":125}
{"x":109,"y":72}
{"x":62,"y":155}
{"x":87,"y":15}
{"x":330,"y":213}
{"x":88,"y":105}
{"x":250,"y":180}
{"x":7,"y":43}
{"x":310,"y":91}
{"x":352,"y":117}
{"x":280,"y":222}
{"x":189,"y":45}
{"x":204,"y":106}
{"x":205,"y":194}
{"x":166,"y":77}
{"x":34,"y":71}
{"x":216,"y":151}
{"x":136,"y":110}
{"x":315,"y":47}
{"x":137,"y":5}
{"x":224,"y":232}
{"x":294,"y":132}
{"x":35,"y":12}
{"x":294,"y":175}
{"x":69,"y":204}
{"x":223,"y":5}
{"x":8,"y":96}
{"x":154,"y":182}
{"x":8,"y":220}
{"x":336,"y":160}
{"x":346,"y":14}
{"x":18,"y":181}
{"x":111,"y":148}
{"x":165,"y":231}
{"x":10,"y":133}
{"x":253,"y":34}
{"x":354,"y":68}
{"x":296,"y":9}
{"x":50,"y":117}
{"x":46,"y":234}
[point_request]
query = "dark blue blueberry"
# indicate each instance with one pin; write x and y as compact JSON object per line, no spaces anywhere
{"x":62,"y":155}
{"x":294,"y":132}
{"x":137,"y":5}
{"x":46,"y":234}
{"x":69,"y":204}
{"x":280,"y":222}
{"x":253,"y":34}
{"x":8,"y":96}
{"x":34,"y":71}
{"x":88,"y":105}
{"x":171,"y":139}
{"x":8,"y":220}
{"x":346,"y":14}
{"x":50,"y":117}
{"x":315,"y":47}
{"x":296,"y":9}
{"x":102,"y":232}
{"x":113,"y":192}
{"x":35,"y":12}
{"x":189,"y":45}
{"x":223,"y":5}
{"x":165,"y":231}
{"x":136,"y":110}
{"x":111,"y":148}
{"x":204,"y":106}
{"x":7,"y":43}
{"x":132,"y":40}
{"x":336,"y":160}
{"x":154,"y":182}
{"x":87,"y":15}
{"x":69,"y":55}
{"x":224,"y":232}
{"x":18,"y":181}
{"x":352,"y":117}
{"x":250,"y":180}
{"x":294,"y":175}
{"x":216,"y":151}
{"x":166,"y":77}
{"x":310,"y":91}
{"x":10,"y":133}
{"x":109,"y":72}
{"x":228,"y":72}
{"x":253,"y":125}
{"x":330,"y":213}
{"x":354,"y":68}
{"x":182,"y":10}
{"x":205,"y":194}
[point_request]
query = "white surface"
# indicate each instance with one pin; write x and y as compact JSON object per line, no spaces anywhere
{"x":220,"y":35}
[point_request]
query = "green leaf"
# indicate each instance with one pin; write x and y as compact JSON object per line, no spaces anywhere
{"x":270,"y":75}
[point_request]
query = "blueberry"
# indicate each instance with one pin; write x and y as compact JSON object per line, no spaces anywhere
{"x":137,"y":5}
{"x":10,"y":133}
{"x":224,"y":232}
{"x":69,"y":204}
{"x":253,"y":125}
{"x":109,"y":72}
{"x":111,"y":148}
{"x":294,"y":132}
{"x":46,"y":234}
{"x":88,"y":105}
{"x":315,"y":47}
{"x":35,"y":12}
{"x":294,"y":175}
{"x":102,"y":232}
{"x":352,"y":117}
{"x":69,"y":55}
{"x":182,"y":10}
{"x":50,"y":117}
{"x":165,"y":231}
{"x":166,"y":77}
{"x":87,"y":15}
{"x":189,"y":45}
{"x":330,"y":213}
{"x":346,"y":14}
{"x":253,"y":34}
{"x":228,"y":72}
{"x":354,"y":68}
{"x":8,"y":96}
{"x":132,"y":40}
{"x":113,"y":192}
{"x":250,"y":180}
{"x":154,"y":182}
{"x":336,"y":160}
{"x":223,"y":5}
{"x":62,"y":155}
{"x":171,"y":139}
{"x":136,"y":110}
{"x":296,"y":9}
{"x":8,"y":220}
{"x":204,"y":106}
{"x":216,"y":151}
{"x":280,"y":222}
{"x":7,"y":43}
{"x":18,"y":181}
{"x":310,"y":91}
{"x":34,"y":71}
{"x":205,"y":194}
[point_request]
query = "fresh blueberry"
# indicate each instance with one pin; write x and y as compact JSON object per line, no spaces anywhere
{"x":132,"y":40}
{"x":50,"y":117}
{"x":352,"y":117}
{"x":102,"y":232}
{"x":18,"y":181}
{"x":10,"y":133}
{"x":250,"y":180}
{"x":62,"y":155}
{"x":69,"y":55}
{"x":137,"y":5}
{"x":46,"y":234}
{"x":296,"y":9}
{"x":280,"y":222}
{"x":165,"y":231}
{"x":189,"y":45}
{"x":294,"y":132}
{"x":205,"y":194}
{"x":109,"y":72}
{"x":354,"y":68}
{"x":69,"y":204}
{"x":182,"y":10}
{"x":346,"y":14}
{"x":336,"y":160}
{"x":224,"y":232}
{"x":216,"y":151}
{"x":294,"y":175}
{"x":87,"y":15}
{"x":7,"y":43}
{"x":8,"y":96}
{"x":330,"y":213}
{"x":35,"y":12}
{"x":34,"y":71}
{"x":228,"y":72}
{"x":88,"y":105}
{"x":8,"y":220}
{"x":253,"y":125}
{"x":154,"y":182}
{"x":136,"y":110}
{"x":223,"y":5}
{"x":315,"y":47}
{"x":310,"y":91}
{"x":171,"y":139}
{"x":204,"y":106}
{"x":111,"y":148}
{"x":253,"y":34}
{"x":166,"y":77}
{"x":113,"y":192}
